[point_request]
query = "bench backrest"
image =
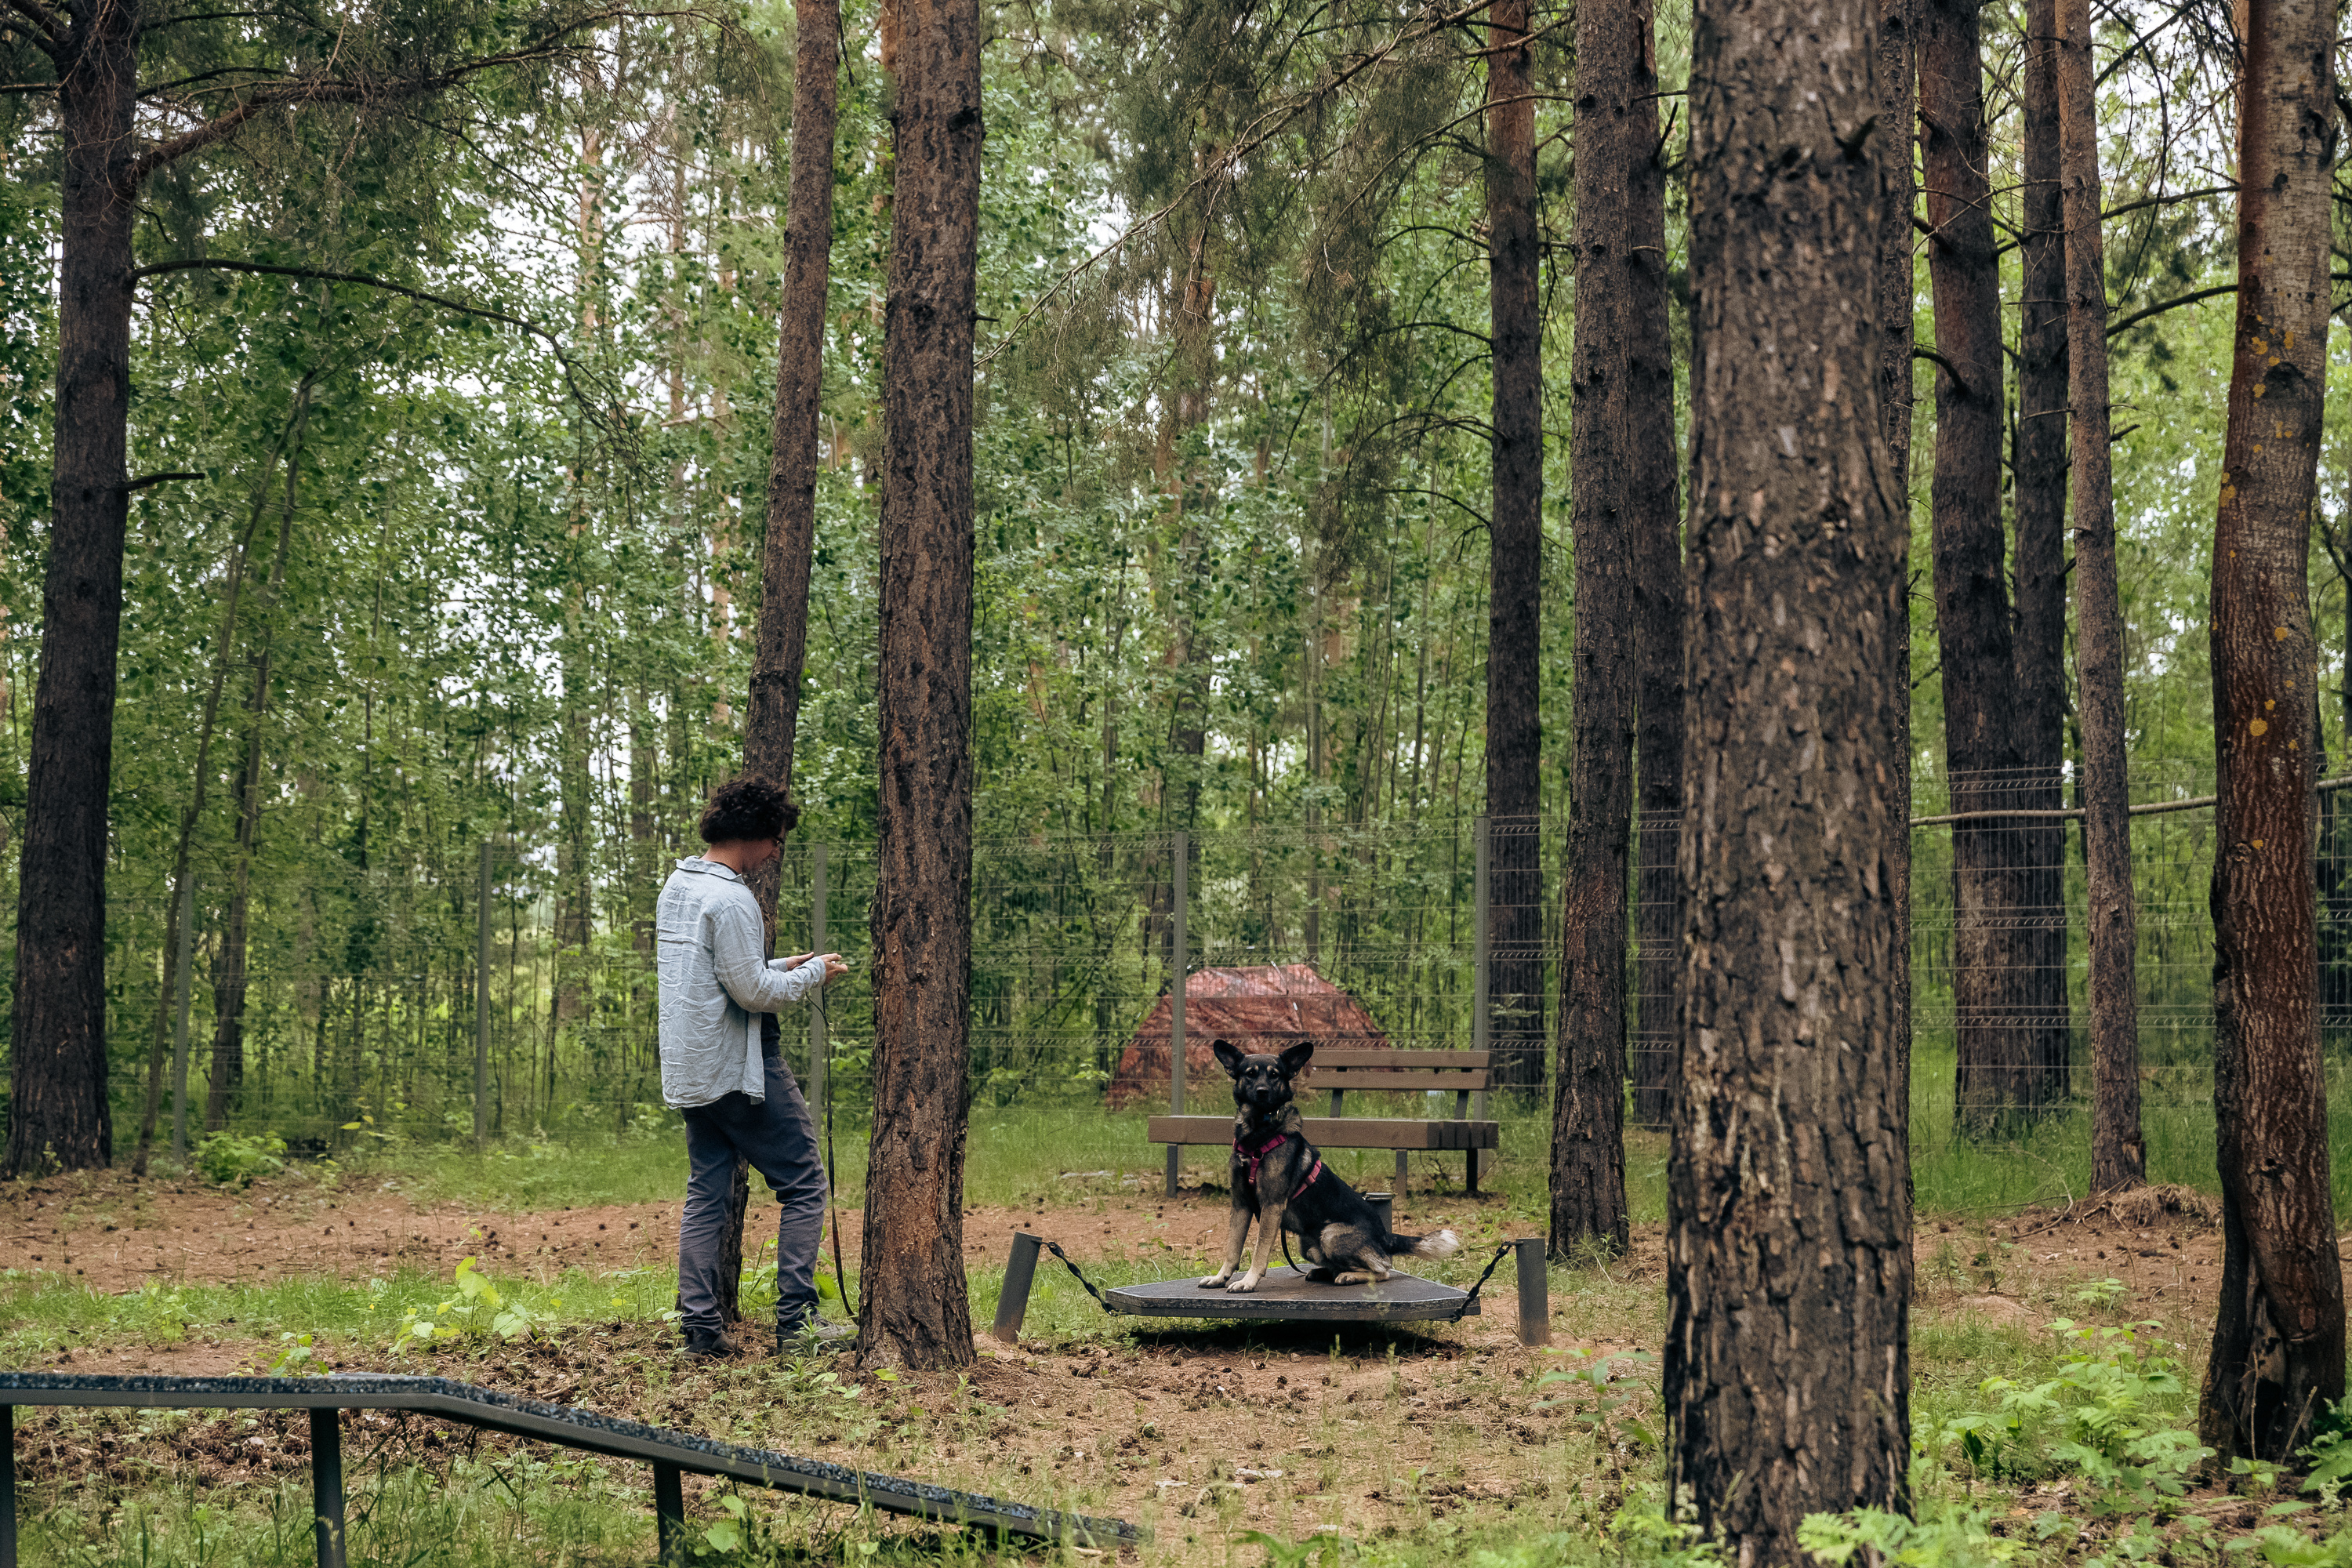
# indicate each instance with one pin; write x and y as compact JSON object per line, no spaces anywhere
{"x":1402,"y":1072}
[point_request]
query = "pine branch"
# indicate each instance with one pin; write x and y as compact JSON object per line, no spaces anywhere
{"x":2136,"y":317}
{"x":51,"y":38}
{"x":267,"y":269}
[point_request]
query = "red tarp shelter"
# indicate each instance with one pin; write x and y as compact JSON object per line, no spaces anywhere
{"x":1264,"y":1007}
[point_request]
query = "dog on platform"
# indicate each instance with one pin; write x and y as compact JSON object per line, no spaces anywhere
{"x":1281,"y":1183}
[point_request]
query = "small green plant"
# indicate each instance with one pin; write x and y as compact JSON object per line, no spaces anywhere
{"x":2101,"y":1293}
{"x":227,"y":1158}
{"x":296,"y":1358}
{"x":2101,"y":1418}
{"x":478,"y":1306}
{"x":1617,"y":1391}
{"x":1945,"y":1535}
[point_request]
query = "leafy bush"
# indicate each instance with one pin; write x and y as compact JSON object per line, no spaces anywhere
{"x":228,"y":1157}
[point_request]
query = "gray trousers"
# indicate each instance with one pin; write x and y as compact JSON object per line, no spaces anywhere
{"x":778,"y":1138}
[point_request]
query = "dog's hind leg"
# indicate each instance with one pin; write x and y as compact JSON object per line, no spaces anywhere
{"x":1371,"y":1265}
{"x":1269,"y":1222}
{"x":1238,"y":1233}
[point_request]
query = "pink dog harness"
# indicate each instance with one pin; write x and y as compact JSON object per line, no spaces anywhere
{"x":1254,"y":1156}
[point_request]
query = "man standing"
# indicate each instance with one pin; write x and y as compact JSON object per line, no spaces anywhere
{"x":716,"y":983}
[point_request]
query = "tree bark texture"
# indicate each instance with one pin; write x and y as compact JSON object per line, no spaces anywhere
{"x":2037,"y":706}
{"x":913,"y":1310}
{"x":779,"y":646}
{"x":1654,"y":516}
{"x":1622,"y":381}
{"x":2118,"y":1153}
{"x":58,"y":1114}
{"x":1996,"y":1079}
{"x":1515,"y":544}
{"x":1898,"y":99}
{"x":2277,"y":1362}
{"x":1788,"y":1245}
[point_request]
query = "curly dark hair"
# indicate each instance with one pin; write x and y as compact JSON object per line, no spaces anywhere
{"x":746,"y":807}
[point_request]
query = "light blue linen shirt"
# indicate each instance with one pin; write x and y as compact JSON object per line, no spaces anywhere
{"x":715,"y":984}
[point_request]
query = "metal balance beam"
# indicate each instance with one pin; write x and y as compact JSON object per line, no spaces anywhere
{"x":671,"y":1454}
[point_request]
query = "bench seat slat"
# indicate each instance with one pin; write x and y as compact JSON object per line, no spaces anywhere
{"x":1342,"y":1057}
{"x":1341,"y":1132}
{"x":1372,"y":1082}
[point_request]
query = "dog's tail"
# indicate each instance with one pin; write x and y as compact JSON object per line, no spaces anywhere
{"x":1442,"y":1245}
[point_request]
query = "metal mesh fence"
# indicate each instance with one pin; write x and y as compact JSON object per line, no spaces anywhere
{"x":367,"y":997}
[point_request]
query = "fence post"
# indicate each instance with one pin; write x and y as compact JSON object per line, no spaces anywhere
{"x":1481,"y":1019}
{"x":817,"y":1052}
{"x":180,"y":1023}
{"x":1182,"y":848}
{"x":482,"y":1001}
{"x":326,"y":1484}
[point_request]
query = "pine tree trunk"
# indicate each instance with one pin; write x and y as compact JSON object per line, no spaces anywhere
{"x":2037,"y":703}
{"x":914,"y":1311}
{"x":1787,"y":1365}
{"x":2119,"y":1154}
{"x":58,"y":1115}
{"x":1622,"y":378}
{"x":779,"y":653}
{"x":1996,"y":1080}
{"x":2277,"y":1364}
{"x":229,"y":974}
{"x":1897,"y":88}
{"x":1515,"y":541}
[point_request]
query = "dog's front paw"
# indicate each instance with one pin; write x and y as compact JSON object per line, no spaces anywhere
{"x":1212,"y":1281}
{"x":1247,"y":1282}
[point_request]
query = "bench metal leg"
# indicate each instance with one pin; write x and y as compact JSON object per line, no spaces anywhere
{"x":1400,"y":1176}
{"x":326,"y":1484}
{"x":1174,"y":1154}
{"x":1470,"y":1183}
{"x":1013,"y":1301}
{"x":1535,"y":1291}
{"x":8,"y":1487}
{"x":670,"y":1515}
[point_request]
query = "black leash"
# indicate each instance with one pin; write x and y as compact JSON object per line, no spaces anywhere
{"x":1056,"y":1248}
{"x":1492,"y":1264}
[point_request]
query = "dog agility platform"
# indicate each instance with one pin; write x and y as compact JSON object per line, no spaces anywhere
{"x":1286,"y":1295}
{"x":671,"y":1454}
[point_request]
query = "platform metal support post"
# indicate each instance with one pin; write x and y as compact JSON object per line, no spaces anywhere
{"x":482,"y":1001}
{"x":1481,"y":1023}
{"x":1020,"y":1274}
{"x":180,"y":1022}
{"x":8,"y":1487}
{"x":818,"y":1048}
{"x":670,"y":1515}
{"x":1383,"y":1204}
{"x":1535,"y":1292}
{"x":326,"y":1484}
{"x":1182,"y":847}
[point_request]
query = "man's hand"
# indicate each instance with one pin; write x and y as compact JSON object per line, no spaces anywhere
{"x":834,"y":966}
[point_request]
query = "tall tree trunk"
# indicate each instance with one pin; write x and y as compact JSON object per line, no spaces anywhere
{"x":1788,"y":1282}
{"x":1622,"y":459}
{"x":1995,"y":1078}
{"x":229,"y":968}
{"x":2037,"y":707}
{"x":2277,"y":1362}
{"x":2119,"y":1154}
{"x":59,"y":1117}
{"x":914,"y":1311}
{"x":779,"y":646}
{"x":1897,"y":89}
{"x":1515,"y":544}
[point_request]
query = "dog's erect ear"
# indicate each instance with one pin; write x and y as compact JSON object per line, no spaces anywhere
{"x":1295,"y":1057}
{"x":1228,"y":1057}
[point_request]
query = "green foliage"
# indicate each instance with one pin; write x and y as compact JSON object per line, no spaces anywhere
{"x":477,"y":1308}
{"x":1944,"y":1535}
{"x":2102,"y":1418}
{"x":231,"y":1157}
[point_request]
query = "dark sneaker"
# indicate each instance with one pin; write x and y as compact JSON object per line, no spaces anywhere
{"x":710,"y":1344}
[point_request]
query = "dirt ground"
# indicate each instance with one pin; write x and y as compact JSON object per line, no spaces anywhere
{"x":1198,"y":1431}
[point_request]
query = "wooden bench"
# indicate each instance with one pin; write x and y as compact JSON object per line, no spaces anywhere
{"x":1339,"y":1073}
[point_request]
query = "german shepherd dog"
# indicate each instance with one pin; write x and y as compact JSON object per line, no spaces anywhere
{"x":1279,"y":1181}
